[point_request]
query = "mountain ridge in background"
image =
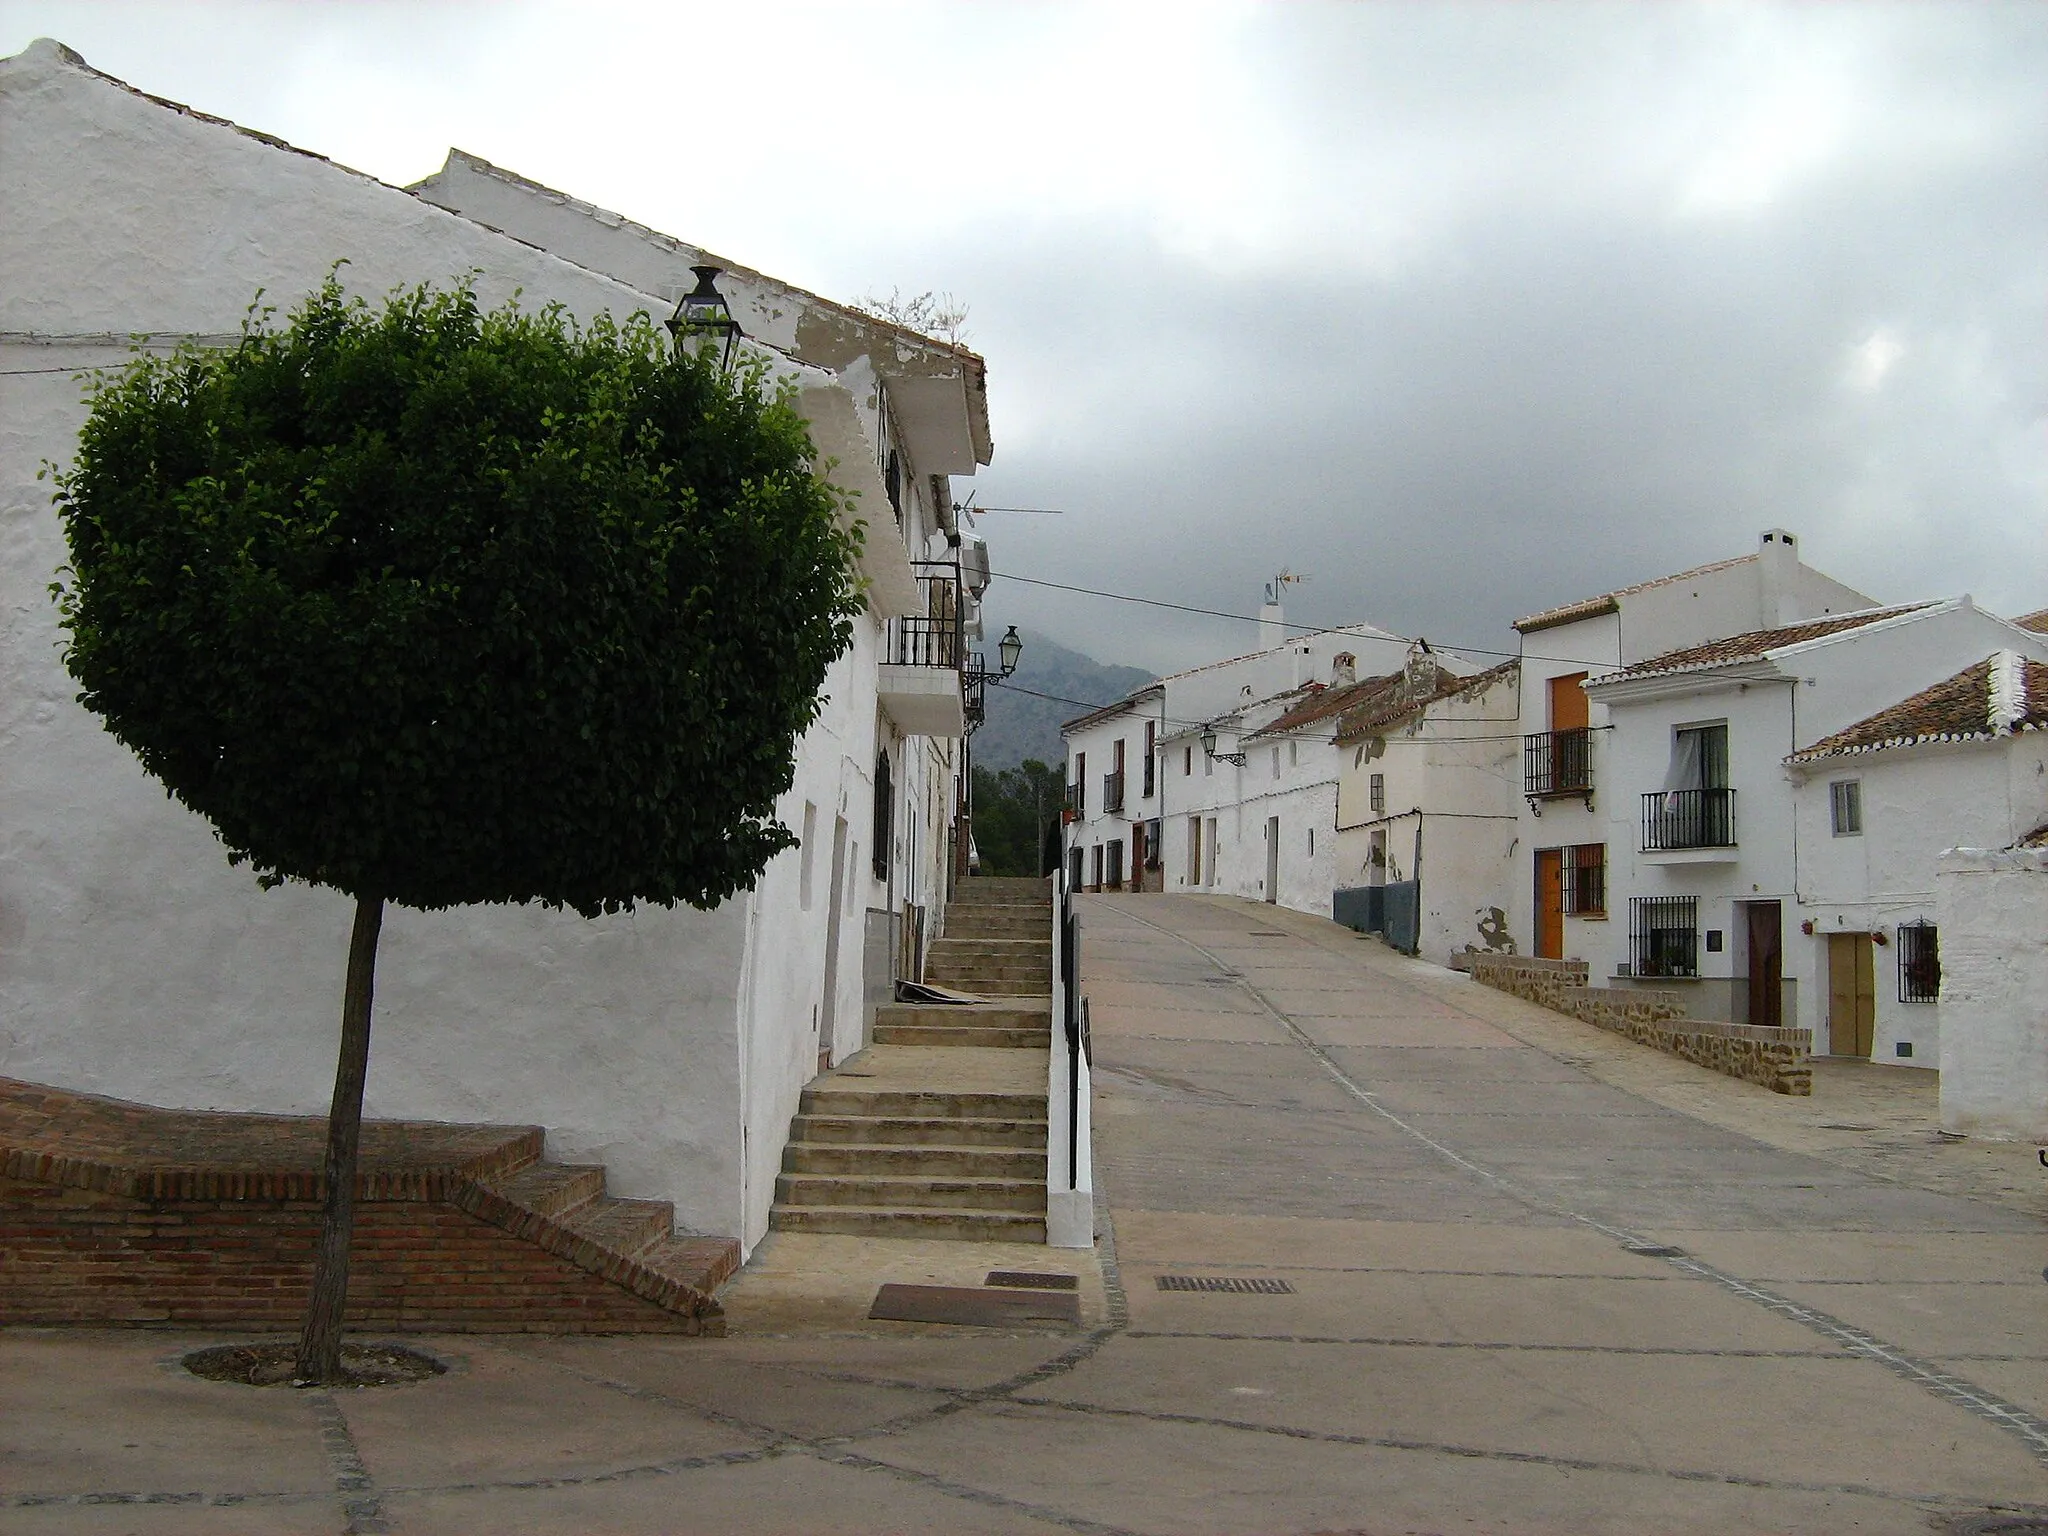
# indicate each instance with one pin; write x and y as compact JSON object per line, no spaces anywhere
{"x":1019,"y":725}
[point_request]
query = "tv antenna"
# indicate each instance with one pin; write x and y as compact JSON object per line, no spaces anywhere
{"x":1277,"y":587}
{"x":969,"y":510}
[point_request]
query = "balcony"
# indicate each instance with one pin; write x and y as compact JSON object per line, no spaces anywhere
{"x":919,"y":678}
{"x":1689,"y":819}
{"x":1557,"y":763}
{"x":1112,"y":792}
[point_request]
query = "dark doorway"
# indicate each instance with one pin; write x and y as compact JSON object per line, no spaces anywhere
{"x":1766,"y":964}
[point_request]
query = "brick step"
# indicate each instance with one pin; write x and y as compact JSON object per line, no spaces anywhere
{"x":552,"y":1189}
{"x":925,"y":1161}
{"x":907,"y":1130}
{"x":1024,"y":1015}
{"x":827,"y":1098}
{"x":987,"y":1036}
{"x":863,"y":1221}
{"x":623,"y":1226}
{"x":912,"y":1192}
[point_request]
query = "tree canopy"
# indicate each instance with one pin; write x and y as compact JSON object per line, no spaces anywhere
{"x":441,"y":605}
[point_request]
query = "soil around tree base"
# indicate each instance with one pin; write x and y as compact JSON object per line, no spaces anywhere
{"x":276,"y":1365}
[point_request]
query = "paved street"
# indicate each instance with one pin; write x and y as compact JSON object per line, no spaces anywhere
{"x":1512,"y":1275}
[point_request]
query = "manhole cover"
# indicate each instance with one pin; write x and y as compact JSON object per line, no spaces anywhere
{"x":1228,"y":1284}
{"x":275,"y":1365}
{"x":1032,"y":1280}
{"x":1653,"y":1250}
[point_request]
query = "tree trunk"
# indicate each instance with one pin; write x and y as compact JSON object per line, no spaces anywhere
{"x":320,"y":1343}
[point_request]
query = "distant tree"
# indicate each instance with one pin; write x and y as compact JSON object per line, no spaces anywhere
{"x":1017,"y":816}
{"x":436,"y":606}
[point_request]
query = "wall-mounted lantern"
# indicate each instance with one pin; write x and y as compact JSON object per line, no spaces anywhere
{"x":1010,"y":648}
{"x":703,"y":320}
{"x":1209,"y":745}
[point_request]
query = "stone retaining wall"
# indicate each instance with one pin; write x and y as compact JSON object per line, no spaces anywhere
{"x":1780,"y":1059}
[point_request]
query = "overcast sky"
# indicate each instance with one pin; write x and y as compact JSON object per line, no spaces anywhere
{"x":1462,"y":310}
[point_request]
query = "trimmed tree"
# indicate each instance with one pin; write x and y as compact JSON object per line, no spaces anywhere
{"x":436,"y":606}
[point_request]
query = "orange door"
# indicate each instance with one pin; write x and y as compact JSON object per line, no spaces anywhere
{"x":1550,"y":903}
{"x":1569,"y":710}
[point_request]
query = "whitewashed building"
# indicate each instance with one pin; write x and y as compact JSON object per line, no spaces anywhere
{"x":1962,"y":763}
{"x":1146,"y":795}
{"x":1427,"y":777}
{"x":1557,"y":903}
{"x":1711,"y":873}
{"x":1991,"y":907}
{"x":669,"y":1046}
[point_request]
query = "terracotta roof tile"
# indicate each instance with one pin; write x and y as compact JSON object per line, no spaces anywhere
{"x":1398,"y":705}
{"x":2038,"y":838}
{"x":1609,"y":602}
{"x":1964,"y":707}
{"x":1329,"y":701}
{"x":1751,"y":646}
{"x":2037,"y":621}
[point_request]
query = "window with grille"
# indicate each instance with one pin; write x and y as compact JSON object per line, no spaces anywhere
{"x":1664,"y":935}
{"x":1378,"y":786}
{"x":1845,"y":807}
{"x":1583,"y":872}
{"x":1919,"y":963}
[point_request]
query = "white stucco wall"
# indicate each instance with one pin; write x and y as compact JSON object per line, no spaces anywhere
{"x":1993,"y":915}
{"x":668,"y":1045}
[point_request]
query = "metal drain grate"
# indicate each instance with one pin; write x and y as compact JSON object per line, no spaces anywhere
{"x":1266,"y":933}
{"x":1235,"y":1287}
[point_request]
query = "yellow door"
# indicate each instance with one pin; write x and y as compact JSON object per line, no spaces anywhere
{"x":1852,"y":994}
{"x":1550,"y":903}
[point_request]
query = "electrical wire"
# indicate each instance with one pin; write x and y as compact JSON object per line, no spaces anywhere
{"x":1308,"y":629}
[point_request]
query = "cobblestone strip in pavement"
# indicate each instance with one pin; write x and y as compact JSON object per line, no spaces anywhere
{"x":1985,"y":1404}
{"x":361,"y":1505}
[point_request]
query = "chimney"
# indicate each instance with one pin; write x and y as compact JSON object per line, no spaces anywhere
{"x":1343,"y":669}
{"x":1777,"y":566}
{"x":1272,"y":627}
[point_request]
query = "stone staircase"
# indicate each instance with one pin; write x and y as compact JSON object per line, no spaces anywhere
{"x":938,"y":1128}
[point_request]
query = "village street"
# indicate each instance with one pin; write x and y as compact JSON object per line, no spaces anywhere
{"x":1513,"y":1275}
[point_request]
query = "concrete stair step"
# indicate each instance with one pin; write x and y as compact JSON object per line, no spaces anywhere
{"x":830,"y":1099}
{"x":624,"y":1226}
{"x":868,"y":1160}
{"x":986,"y":1036}
{"x":998,"y":923}
{"x":997,"y":986}
{"x":1000,"y":1015}
{"x":1032,"y":949}
{"x":912,"y":1192}
{"x":963,"y":1226}
{"x":905,"y":1130}
{"x":1030,"y":887}
{"x":552,"y":1189}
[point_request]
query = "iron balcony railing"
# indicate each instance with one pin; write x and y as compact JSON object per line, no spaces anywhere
{"x":936,"y":637}
{"x":1113,"y":792}
{"x":1557,"y":762}
{"x":1689,"y":818}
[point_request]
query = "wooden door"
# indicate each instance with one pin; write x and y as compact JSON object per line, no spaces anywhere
{"x":1852,"y":994}
{"x":1568,"y":703}
{"x":1766,"y":964}
{"x":1273,"y":859}
{"x":1550,"y":903}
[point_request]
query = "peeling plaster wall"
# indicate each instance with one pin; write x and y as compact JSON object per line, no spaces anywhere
{"x":1993,"y":911}
{"x":667,"y":1045}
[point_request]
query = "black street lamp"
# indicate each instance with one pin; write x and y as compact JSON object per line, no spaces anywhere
{"x":1010,"y":648}
{"x":703,"y":319}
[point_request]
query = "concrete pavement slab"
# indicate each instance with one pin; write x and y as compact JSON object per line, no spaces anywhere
{"x":1799,"y":1420}
{"x":502,"y":1415}
{"x":1938,"y":1319}
{"x":110,"y":1411}
{"x":1211,"y":1479}
{"x":304,"y":1516}
{"x":2010,"y":1257}
{"x":968,"y":1361}
{"x":784,"y":1399}
{"x":1184,"y":1238}
{"x":795,"y":1494}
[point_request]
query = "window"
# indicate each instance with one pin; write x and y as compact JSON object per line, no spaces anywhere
{"x":885,"y":810}
{"x":1696,"y":807}
{"x":1187,"y":762}
{"x":1919,"y":962}
{"x":1078,"y":791}
{"x":1151,"y":754}
{"x":1663,"y":935}
{"x":1583,"y":876}
{"x":1294,"y":754}
{"x":1378,"y":787}
{"x":1845,"y":810}
{"x":1276,"y":762}
{"x":1311,"y":842}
